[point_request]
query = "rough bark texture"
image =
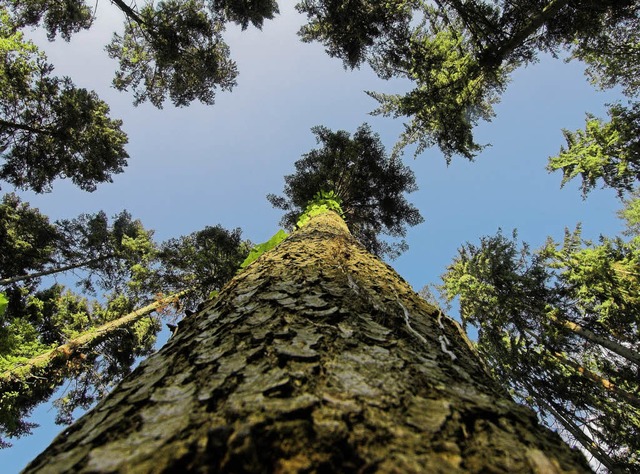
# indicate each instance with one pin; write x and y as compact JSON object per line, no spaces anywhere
{"x":317,"y":358}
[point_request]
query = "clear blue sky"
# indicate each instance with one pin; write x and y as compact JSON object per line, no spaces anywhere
{"x":207,"y":165}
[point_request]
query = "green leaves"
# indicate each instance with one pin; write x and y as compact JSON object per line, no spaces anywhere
{"x":259,"y":249}
{"x":459,"y":55}
{"x":50,"y":129}
{"x":27,"y":239}
{"x":560,"y":326}
{"x":322,"y":201}
{"x":174,"y":49}
{"x":4,"y":302}
{"x":452,"y":92}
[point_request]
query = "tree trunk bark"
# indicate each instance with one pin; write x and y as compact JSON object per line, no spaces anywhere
{"x":316,"y":358}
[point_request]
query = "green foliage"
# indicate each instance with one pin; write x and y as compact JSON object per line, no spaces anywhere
{"x":370,"y":186}
{"x":613,"y":52}
{"x":27,"y":239}
{"x":4,"y":302}
{"x":114,"y":254}
{"x":173,"y":49}
{"x":244,"y":12}
{"x":459,"y":54}
{"x":630,"y":214}
{"x":323,"y":201}
{"x":607,"y":151}
{"x":204,"y":260}
{"x":49,"y":128}
{"x":452,"y":91}
{"x":557,"y":326}
{"x":349,"y":29}
{"x":63,"y":17}
{"x":259,"y":249}
{"x":117,"y":256}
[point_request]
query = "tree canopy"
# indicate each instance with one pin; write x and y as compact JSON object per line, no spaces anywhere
{"x":50,"y":333}
{"x":460,"y":55}
{"x":369,"y":184}
{"x":169,"y":50}
{"x":560,"y":327}
{"x":48,"y":127}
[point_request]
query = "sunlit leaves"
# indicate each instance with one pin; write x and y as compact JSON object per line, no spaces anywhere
{"x":452,"y":93}
{"x":603,"y":151}
{"x":259,"y":249}
{"x":560,"y":326}
{"x":458,"y":55}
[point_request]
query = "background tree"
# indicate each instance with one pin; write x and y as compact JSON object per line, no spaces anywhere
{"x":54,"y":317}
{"x":28,"y":240}
{"x":51,"y":335}
{"x":607,"y":151}
{"x":370,"y":185}
{"x":561,"y":328}
{"x":460,"y":54}
{"x":51,"y":129}
{"x":203,"y":261}
{"x":48,"y":127}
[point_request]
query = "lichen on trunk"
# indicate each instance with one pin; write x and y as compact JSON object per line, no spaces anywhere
{"x":317,"y":358}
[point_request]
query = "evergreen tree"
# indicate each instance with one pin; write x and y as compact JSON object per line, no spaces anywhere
{"x":48,"y":127}
{"x":607,"y":151}
{"x":51,"y":129}
{"x":369,"y":185}
{"x":316,"y":358}
{"x":561,"y":328}
{"x":459,"y":54}
{"x":52,"y":335}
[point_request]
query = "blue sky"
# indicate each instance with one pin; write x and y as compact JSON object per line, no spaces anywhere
{"x":207,"y":165}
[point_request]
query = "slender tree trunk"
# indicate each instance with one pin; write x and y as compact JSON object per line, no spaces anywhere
{"x":316,"y":358}
{"x":597,"y":379}
{"x":614,"y":347}
{"x":51,"y":271}
{"x":580,"y":436}
{"x":37,"y":379}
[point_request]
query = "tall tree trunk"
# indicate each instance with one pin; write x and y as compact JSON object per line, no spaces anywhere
{"x":51,"y":271}
{"x":318,"y":357}
{"x":613,"y":346}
